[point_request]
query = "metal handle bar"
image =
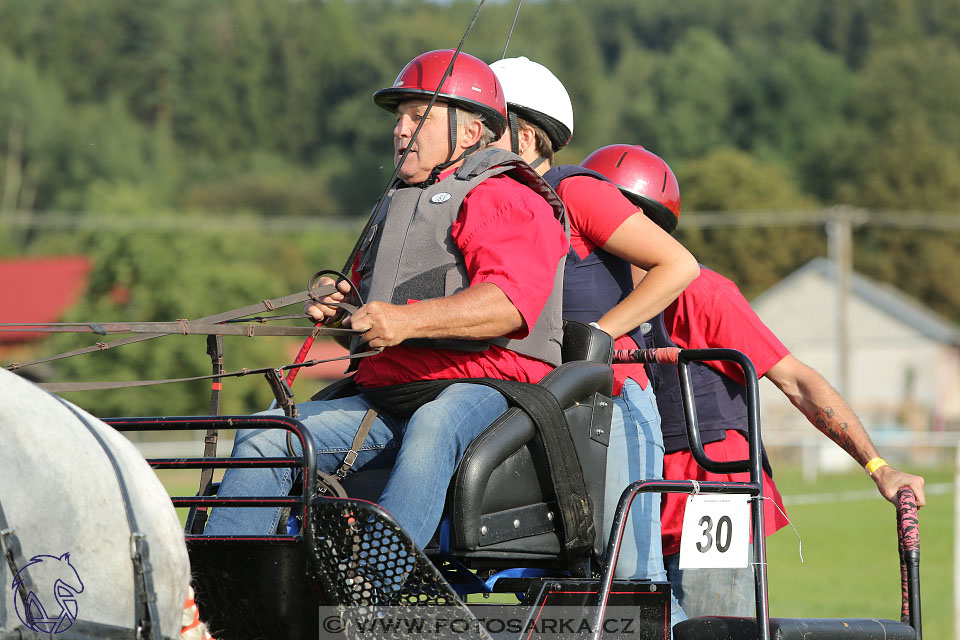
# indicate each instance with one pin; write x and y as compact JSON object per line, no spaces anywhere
{"x":682,"y":358}
{"x":687,"y":356}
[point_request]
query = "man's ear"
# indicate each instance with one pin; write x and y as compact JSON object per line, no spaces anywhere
{"x":471,"y":134}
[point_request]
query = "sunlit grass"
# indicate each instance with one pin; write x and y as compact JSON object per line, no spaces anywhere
{"x":851,"y":566}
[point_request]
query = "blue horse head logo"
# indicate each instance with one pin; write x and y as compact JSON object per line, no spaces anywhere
{"x":57,"y":582}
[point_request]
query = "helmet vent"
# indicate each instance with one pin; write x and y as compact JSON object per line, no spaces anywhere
{"x":624,"y":156}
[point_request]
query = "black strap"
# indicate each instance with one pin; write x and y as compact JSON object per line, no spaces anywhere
{"x":10,"y":546}
{"x":548,"y":418}
{"x":515,"y":138}
{"x":215,"y":351}
{"x":145,"y":597}
{"x":328,"y":484}
{"x":565,"y":470}
{"x":358,"y":439}
{"x":282,"y":392}
{"x":514,"y":131}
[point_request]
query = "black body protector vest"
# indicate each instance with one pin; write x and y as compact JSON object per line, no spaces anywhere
{"x":721,"y":402}
{"x":409,"y":254}
{"x":598,"y":282}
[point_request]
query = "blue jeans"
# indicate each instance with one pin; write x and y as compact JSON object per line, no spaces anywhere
{"x":423,"y":450}
{"x":636,"y":453}
{"x":713,"y":592}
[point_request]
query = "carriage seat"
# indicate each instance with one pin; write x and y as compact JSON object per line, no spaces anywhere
{"x":501,"y":504}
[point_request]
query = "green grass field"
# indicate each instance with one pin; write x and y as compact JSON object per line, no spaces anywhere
{"x":850,"y":566}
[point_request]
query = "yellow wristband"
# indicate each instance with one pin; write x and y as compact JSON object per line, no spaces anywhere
{"x":875,"y":464}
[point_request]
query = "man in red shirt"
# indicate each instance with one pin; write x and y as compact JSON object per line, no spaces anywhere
{"x":712,"y":313}
{"x":458,"y":273}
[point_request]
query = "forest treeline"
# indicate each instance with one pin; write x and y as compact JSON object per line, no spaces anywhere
{"x":262,"y":110}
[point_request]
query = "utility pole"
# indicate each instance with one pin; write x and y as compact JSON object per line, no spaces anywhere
{"x":839,"y":235}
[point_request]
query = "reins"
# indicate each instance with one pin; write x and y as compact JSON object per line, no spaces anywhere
{"x":264,"y":305}
{"x":237,"y":322}
{"x":183,"y":327}
{"x":66,"y":387}
{"x":308,"y":343}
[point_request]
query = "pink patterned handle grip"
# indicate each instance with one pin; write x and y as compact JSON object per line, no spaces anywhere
{"x":663,"y":355}
{"x":908,"y":533}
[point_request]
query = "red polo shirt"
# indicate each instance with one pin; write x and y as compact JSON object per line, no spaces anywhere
{"x":711,"y":312}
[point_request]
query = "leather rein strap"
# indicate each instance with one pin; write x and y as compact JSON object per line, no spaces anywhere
{"x":183,"y":327}
{"x":178,"y":327}
{"x":63,"y":387}
{"x":233,"y":322}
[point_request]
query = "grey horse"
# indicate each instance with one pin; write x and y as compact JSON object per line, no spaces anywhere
{"x":72,"y":494}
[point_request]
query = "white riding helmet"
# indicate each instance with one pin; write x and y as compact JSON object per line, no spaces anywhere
{"x":535,"y":94}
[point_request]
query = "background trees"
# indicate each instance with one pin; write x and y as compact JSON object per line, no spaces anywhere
{"x":184,"y":110}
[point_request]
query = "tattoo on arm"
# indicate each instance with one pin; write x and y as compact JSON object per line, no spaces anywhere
{"x":837,"y":431}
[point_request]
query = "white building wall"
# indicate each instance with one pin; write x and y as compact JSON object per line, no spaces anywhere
{"x":897,"y":376}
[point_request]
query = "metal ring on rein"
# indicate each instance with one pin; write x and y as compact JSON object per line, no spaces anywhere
{"x":312,"y":283}
{"x":345,"y":307}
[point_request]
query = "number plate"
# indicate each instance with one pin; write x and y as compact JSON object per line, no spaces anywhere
{"x":716,"y":532}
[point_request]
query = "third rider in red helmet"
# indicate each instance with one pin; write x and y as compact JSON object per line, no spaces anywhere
{"x":712,"y":313}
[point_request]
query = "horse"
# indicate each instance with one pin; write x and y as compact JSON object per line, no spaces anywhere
{"x":90,"y":538}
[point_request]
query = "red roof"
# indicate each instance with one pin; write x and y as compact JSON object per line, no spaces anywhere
{"x":322,"y":349}
{"x":39,"y":290}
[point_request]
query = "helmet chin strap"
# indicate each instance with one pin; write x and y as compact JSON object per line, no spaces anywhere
{"x":515,"y":139}
{"x":437,"y":170}
{"x":514,"y":132}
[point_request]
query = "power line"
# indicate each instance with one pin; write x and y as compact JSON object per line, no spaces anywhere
{"x":167,"y":222}
{"x":858,"y":218}
{"x":164,"y":222}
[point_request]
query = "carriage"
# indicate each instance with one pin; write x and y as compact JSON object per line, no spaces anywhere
{"x":498,"y":566}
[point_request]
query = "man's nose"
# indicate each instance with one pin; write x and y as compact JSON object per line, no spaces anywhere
{"x":402,"y":130}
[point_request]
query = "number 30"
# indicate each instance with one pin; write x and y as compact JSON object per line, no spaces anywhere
{"x":723,"y":534}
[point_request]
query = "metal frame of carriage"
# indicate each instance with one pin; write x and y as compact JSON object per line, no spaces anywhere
{"x":296,"y":591}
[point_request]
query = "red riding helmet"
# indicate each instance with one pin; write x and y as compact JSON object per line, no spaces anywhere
{"x":471,"y":85}
{"x":643,"y":177}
